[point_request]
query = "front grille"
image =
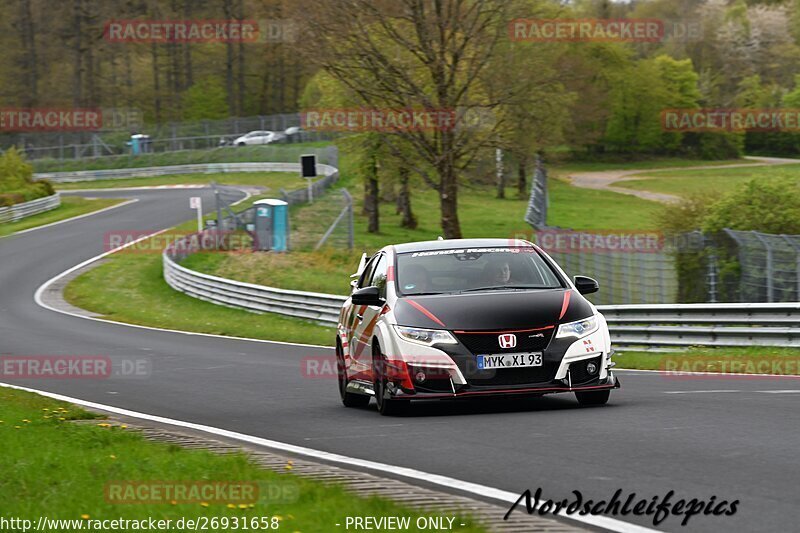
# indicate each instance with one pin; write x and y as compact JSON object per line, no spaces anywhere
{"x":579,"y":374}
{"x":513,"y":376}
{"x":482,"y":343}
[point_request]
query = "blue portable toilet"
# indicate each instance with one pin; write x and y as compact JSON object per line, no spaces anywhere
{"x":271,"y":225}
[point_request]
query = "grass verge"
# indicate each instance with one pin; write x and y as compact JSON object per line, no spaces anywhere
{"x":55,"y":468}
{"x":229,"y":154}
{"x":130,"y":288}
{"x":482,"y":215}
{"x":71,"y":206}
{"x":708,"y":182}
{"x":274,"y":180}
{"x":750,"y":360}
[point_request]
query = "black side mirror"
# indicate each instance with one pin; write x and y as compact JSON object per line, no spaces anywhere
{"x":586,"y":285}
{"x":367,"y":296}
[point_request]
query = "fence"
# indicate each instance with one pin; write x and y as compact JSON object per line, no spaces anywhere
{"x":172,"y":137}
{"x":327,"y":157}
{"x":678,"y":325}
{"x":26,"y":209}
{"x":769,"y":266}
{"x":328,"y":223}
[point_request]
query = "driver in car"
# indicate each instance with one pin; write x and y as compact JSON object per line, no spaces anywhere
{"x":499,"y":273}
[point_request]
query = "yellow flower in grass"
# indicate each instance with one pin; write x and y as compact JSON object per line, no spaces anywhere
{"x":173,"y":502}
{"x":231,"y":506}
{"x":203,"y":504}
{"x":242,"y":506}
{"x":104,"y":425}
{"x":61,"y":418}
{"x":26,"y":420}
{"x":85,"y":516}
{"x":123,"y":426}
{"x":17,"y":427}
{"x":112,"y":456}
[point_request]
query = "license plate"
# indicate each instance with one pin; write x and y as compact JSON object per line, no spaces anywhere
{"x":509,"y":360}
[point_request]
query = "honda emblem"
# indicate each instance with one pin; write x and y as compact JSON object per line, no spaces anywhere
{"x":507,"y":341}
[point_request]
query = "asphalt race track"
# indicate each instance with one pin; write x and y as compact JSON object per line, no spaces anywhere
{"x":732,"y":438}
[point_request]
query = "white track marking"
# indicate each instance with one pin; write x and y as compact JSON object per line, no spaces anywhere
{"x":785,"y":391}
{"x":40,"y":291}
{"x":109,"y":208}
{"x":483,"y":491}
{"x":143,"y":188}
{"x":695,"y":375}
{"x":698,"y":391}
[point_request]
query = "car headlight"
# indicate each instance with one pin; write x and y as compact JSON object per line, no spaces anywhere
{"x":579,"y":328}
{"x":428,"y":337}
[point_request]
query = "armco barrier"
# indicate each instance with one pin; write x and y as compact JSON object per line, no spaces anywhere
{"x":202,"y":168}
{"x":649,"y":326}
{"x":319,"y":307}
{"x":26,"y":209}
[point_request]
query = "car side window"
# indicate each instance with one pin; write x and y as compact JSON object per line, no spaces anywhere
{"x":379,"y":275}
{"x":366,"y":276}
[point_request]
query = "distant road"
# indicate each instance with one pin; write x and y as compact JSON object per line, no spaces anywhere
{"x":606,"y":179}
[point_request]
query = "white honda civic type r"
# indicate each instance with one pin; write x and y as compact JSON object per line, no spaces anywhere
{"x":469,"y":318}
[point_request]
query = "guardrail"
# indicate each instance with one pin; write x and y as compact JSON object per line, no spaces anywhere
{"x":199,"y":168}
{"x":26,"y":209}
{"x":319,"y":307}
{"x":649,"y":326}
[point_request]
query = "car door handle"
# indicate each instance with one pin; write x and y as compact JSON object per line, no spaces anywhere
{"x":359,"y":317}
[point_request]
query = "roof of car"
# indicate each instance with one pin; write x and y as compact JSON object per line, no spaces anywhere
{"x":455,"y":243}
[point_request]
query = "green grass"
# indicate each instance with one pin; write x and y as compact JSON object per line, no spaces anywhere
{"x":60,"y":469}
{"x":130,"y":288}
{"x":273,"y":180}
{"x":569,"y":167}
{"x":274,"y":152}
{"x":482,"y":215}
{"x":705,"y":182}
{"x":71,"y":206}
{"x":750,"y":360}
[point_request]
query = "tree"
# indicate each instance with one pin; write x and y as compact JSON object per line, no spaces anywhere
{"x":414,"y":54}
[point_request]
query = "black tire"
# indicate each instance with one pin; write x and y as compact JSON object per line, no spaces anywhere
{"x":349,"y":399}
{"x":386,"y":407}
{"x":241,"y":144}
{"x":599,"y":397}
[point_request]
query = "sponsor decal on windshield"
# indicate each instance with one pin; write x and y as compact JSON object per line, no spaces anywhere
{"x":473,"y":251}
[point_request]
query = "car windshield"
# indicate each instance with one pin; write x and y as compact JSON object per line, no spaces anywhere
{"x":473,"y":269}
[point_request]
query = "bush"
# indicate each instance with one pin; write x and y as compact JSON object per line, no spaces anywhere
{"x":16,"y":180}
{"x":769,"y":206}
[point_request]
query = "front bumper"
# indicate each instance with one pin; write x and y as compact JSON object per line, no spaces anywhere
{"x":611,"y":382}
{"x":450,"y":371}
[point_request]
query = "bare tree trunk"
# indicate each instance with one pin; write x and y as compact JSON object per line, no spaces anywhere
{"x":371,"y":189}
{"x":448,"y":190}
{"x":156,"y":82}
{"x":187,"y":48}
{"x":522,"y":177}
{"x":227,"y":8}
{"x":77,"y":73}
{"x":128,"y":77}
{"x":407,"y":220}
{"x":241,"y":77}
{"x":31,"y":67}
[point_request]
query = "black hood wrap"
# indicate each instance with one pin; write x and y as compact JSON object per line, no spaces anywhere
{"x":492,"y":310}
